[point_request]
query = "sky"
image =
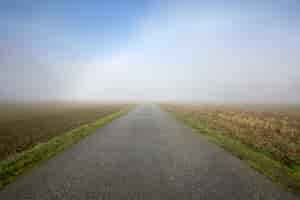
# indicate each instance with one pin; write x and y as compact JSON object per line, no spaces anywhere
{"x":235,"y":51}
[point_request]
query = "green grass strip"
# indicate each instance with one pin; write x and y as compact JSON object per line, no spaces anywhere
{"x":261,"y":161}
{"x":18,"y":164}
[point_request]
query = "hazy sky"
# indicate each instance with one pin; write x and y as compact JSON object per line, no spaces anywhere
{"x":150,"y":50}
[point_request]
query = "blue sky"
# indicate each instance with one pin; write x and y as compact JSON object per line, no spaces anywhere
{"x":150,"y":50}
{"x":86,"y":25}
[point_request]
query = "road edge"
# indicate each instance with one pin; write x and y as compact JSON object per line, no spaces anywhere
{"x":265,"y":165}
{"x":11,"y":168}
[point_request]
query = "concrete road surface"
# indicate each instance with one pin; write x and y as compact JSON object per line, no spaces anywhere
{"x":144,"y":155}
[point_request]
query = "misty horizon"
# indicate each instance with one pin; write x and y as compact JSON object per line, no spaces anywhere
{"x":189,"y":51}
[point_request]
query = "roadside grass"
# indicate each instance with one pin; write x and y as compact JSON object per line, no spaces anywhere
{"x":19,"y":163}
{"x":24,"y":125}
{"x":262,"y":161}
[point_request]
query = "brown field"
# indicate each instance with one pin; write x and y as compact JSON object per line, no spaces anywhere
{"x":271,"y":129}
{"x":24,"y":125}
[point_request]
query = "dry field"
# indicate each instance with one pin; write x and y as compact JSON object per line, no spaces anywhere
{"x":24,"y":125}
{"x":271,"y":129}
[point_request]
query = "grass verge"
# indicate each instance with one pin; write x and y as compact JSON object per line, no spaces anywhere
{"x":18,"y":164}
{"x":288,"y":176}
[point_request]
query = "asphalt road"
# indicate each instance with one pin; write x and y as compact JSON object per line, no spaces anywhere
{"x":144,"y":155}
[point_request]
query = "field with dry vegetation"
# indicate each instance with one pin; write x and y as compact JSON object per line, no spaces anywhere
{"x":24,"y":125}
{"x":267,"y":136}
{"x":273,"y":129}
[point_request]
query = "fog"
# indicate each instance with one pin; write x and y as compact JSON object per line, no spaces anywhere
{"x":150,"y":51}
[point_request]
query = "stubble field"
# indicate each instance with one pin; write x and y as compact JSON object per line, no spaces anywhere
{"x":24,"y":125}
{"x":266,"y":136}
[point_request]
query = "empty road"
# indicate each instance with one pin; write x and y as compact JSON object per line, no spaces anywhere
{"x":145,"y":154}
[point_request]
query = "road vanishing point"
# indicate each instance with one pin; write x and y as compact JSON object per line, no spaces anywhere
{"x":145,"y":154}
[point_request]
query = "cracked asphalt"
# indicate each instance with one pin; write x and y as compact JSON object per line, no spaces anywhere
{"x":145,"y":154}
